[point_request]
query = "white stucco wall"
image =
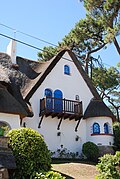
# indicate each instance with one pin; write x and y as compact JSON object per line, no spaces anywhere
{"x":71,"y":85}
{"x":100,"y":139}
{"x":12,"y":120}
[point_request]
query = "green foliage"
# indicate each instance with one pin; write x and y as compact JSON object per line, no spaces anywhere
{"x":91,"y":151}
{"x":116,"y":131}
{"x":30,"y":151}
{"x":47,"y":53}
{"x":48,"y":175}
{"x":106,"y":12}
{"x":109,"y":166}
{"x":106,"y":78}
{"x":100,"y":27}
{"x":4,"y":128}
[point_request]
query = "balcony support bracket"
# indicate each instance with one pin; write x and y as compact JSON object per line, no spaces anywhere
{"x":39,"y":125}
{"x":58,"y":128}
{"x":77,"y":125}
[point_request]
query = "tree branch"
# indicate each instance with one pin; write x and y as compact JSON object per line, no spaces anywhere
{"x":116,"y":45}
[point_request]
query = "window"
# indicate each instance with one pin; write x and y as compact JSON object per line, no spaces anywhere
{"x":49,"y":101}
{"x":96,"y":128}
{"x":58,"y":102}
{"x":48,"y":92}
{"x":106,"y":128}
{"x":66,"y":70}
{"x":77,"y":98}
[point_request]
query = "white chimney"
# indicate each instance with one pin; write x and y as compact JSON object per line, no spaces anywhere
{"x":11,"y":50}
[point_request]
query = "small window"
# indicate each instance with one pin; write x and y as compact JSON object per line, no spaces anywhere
{"x":48,"y":93}
{"x":77,"y":98}
{"x":66,"y":70}
{"x":96,"y":128}
{"x":106,"y":128}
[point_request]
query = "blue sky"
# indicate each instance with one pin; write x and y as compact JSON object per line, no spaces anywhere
{"x":49,"y":20}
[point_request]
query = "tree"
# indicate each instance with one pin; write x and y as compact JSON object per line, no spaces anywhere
{"x":84,"y":39}
{"x":107,"y":12}
{"x":100,"y":27}
{"x":107,"y":82}
{"x":48,"y":53}
{"x":114,"y":100}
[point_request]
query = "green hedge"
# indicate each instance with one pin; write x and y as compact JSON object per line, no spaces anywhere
{"x":30,"y":151}
{"x":91,"y":151}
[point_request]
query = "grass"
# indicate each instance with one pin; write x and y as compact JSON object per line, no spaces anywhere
{"x":75,"y":170}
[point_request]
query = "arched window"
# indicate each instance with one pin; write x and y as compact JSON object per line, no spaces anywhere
{"x":48,"y":92}
{"x":58,"y":102}
{"x":96,"y":128}
{"x":49,"y":100}
{"x":106,"y":128}
{"x":66,"y":70}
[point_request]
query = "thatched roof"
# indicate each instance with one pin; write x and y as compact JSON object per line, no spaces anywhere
{"x":43,"y":69}
{"x":4,"y":74}
{"x":97,"y":108}
{"x":11,"y":80}
{"x":33,"y":71}
{"x":8,"y":104}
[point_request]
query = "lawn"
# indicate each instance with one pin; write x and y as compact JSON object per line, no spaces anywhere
{"x":74,"y":170}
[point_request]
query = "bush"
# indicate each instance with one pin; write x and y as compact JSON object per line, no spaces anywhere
{"x":116,"y":130}
{"x":30,"y":151}
{"x":91,"y":151}
{"x":109,"y":166}
{"x":48,"y":175}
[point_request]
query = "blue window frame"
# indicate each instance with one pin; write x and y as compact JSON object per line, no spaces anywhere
{"x":96,"y":128}
{"x":106,"y":128}
{"x":66,"y":70}
{"x":48,"y":92}
{"x":58,"y":103}
{"x":49,"y":101}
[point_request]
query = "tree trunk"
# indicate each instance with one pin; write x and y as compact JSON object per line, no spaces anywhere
{"x":118,"y":117}
{"x":117,"y":45}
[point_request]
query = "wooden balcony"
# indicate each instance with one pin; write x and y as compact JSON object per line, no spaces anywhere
{"x":61,"y":108}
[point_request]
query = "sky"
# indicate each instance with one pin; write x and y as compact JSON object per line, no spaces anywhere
{"x":48,"y":20}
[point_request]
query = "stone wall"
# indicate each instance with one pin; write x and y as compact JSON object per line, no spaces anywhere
{"x":105,"y":150}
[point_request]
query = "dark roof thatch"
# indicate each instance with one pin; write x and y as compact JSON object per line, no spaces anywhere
{"x":12,"y":80}
{"x":7,"y":159}
{"x":45,"y":68}
{"x":37,"y":70}
{"x":8,"y":104}
{"x":97,"y":108}
{"x":4,"y":75}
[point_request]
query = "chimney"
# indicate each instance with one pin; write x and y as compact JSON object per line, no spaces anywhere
{"x":11,"y":50}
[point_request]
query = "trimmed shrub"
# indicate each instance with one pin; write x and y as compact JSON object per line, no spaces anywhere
{"x":30,"y":151}
{"x":91,"y":151}
{"x":48,"y":175}
{"x":109,"y":166}
{"x":116,"y":130}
